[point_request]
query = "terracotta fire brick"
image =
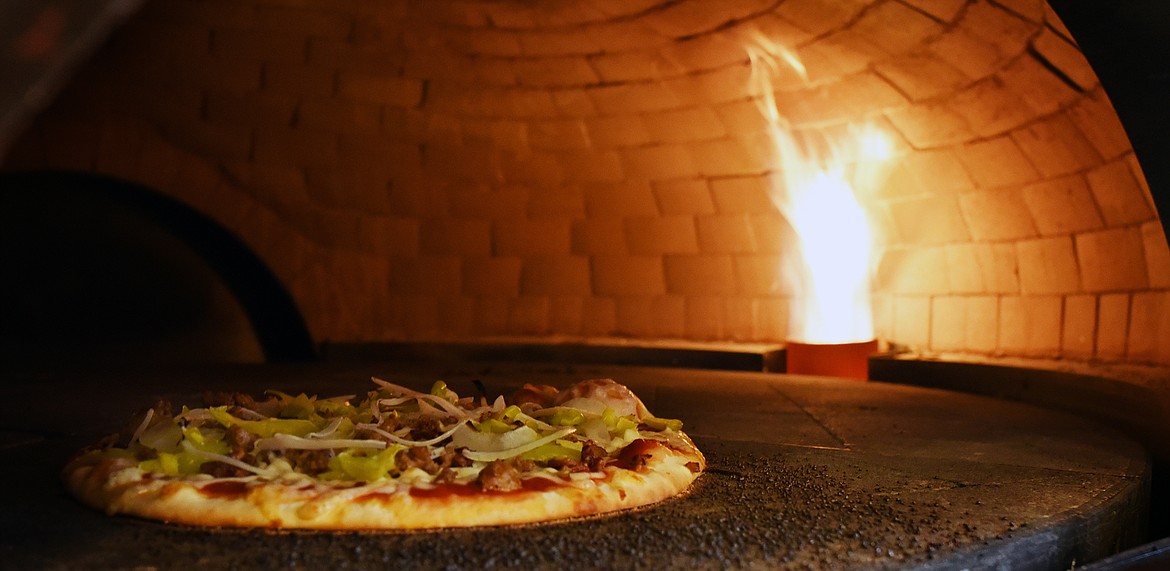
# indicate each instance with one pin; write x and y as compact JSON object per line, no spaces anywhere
{"x":531,"y":237}
{"x":617,"y":131}
{"x":759,"y":275}
{"x":628,"y":275}
{"x":476,"y":201}
{"x":1113,"y":326}
{"x":627,"y":98}
{"x":912,"y":320}
{"x":528,"y":315}
{"x":1048,"y":265}
{"x":555,"y":276}
{"x":990,"y":108}
{"x":1157,"y":254}
{"x":541,"y":167}
{"x":658,"y":162}
{"x":704,"y":317}
{"x":740,"y":156}
{"x":772,"y":232}
{"x":425,"y":275}
{"x":942,"y":10}
{"x":700,"y":275}
{"x":1149,"y":328}
{"x":1079,"y":334}
{"x":491,"y":276}
{"x":1112,"y":260}
{"x":661,"y":235}
{"x":1064,"y":56}
{"x":739,"y":319}
{"x":1095,"y":117}
{"x":931,"y":125}
{"x":997,"y":215}
{"x":694,"y":18}
{"x":1062,"y":206}
{"x":397,"y":91}
{"x":558,"y":134}
{"x":933,"y":220}
{"x":566,"y":315}
{"x":1006,"y":31}
{"x":631,"y":66}
{"x":1011,"y":168}
{"x":598,"y":316}
{"x":554,"y":72}
{"x":925,"y":173}
{"x":1037,"y":86}
{"x":818,"y":16}
{"x":896,"y":28}
{"x":972,"y":56}
{"x":742,"y":195}
{"x":573,"y":102}
{"x":1056,"y":146}
{"x":455,"y":317}
{"x":684,"y":125}
{"x":503,"y":134}
{"x":592,"y":166}
{"x":921,"y":77}
{"x":1030,"y":325}
{"x":491,"y":315}
{"x":725,"y":234}
{"x":916,"y":271}
{"x":636,"y":316}
{"x":1119,"y":194}
{"x":966,"y":277}
{"x":630,"y":198}
{"x":684,"y":196}
{"x":456,"y":237}
{"x":556,"y":202}
{"x":771,"y":318}
{"x":261,"y":110}
{"x":272,"y":46}
{"x":340,"y":116}
{"x":709,"y":51}
{"x":948,"y":324}
{"x":604,"y":236}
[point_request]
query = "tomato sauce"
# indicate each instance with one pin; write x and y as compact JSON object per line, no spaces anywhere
{"x":229,"y":489}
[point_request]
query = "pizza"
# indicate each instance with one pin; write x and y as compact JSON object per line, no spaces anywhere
{"x":396,"y":459}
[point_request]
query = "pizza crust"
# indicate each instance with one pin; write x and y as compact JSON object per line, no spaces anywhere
{"x":119,"y":487}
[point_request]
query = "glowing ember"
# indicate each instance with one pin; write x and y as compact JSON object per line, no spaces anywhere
{"x":829,"y":278}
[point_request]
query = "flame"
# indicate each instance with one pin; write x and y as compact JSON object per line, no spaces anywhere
{"x":829,"y":277}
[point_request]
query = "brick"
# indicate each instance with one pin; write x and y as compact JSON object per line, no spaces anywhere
{"x":283,"y":146}
{"x":1149,"y":328}
{"x":425,"y":275}
{"x":684,"y":125}
{"x":444,"y":237}
{"x":617,"y":131}
{"x":1095,"y":117}
{"x":391,"y":236}
{"x":742,"y":195}
{"x":599,"y":236}
{"x":1112,"y":260}
{"x":502,"y":134}
{"x":1031,"y":10}
{"x":566,"y":315}
{"x":1037,"y":85}
{"x":460,"y":161}
{"x":456,"y":317}
{"x":661,"y":235}
{"x":1047,"y":266}
{"x":542,"y":168}
{"x":704,"y":318}
{"x":658,"y":162}
{"x":689,"y":19}
{"x":558,"y":134}
{"x":490,"y":276}
{"x":199,"y":71}
{"x":1079,"y":332}
{"x":630,"y":198}
{"x":491,"y":315}
{"x":531,"y":237}
{"x":700,"y":275}
{"x":1056,"y":147}
{"x":1007,"y":32}
{"x":974,"y":57}
{"x":1157,"y":254}
{"x":921,"y":77}
{"x":272,"y":46}
{"x":1063,"y":55}
{"x":818,"y":16}
{"x":555,"y":276}
{"x":599,"y":316}
{"x":119,"y":144}
{"x":313,"y":23}
{"x":964,"y":324}
{"x":997,"y":215}
{"x":703,"y":53}
{"x":1062,"y":206}
{"x":338,"y":116}
{"x":556,"y":202}
{"x":1010,"y":166}
{"x":729,"y":234}
{"x":942,"y":10}
{"x":1119,"y":194}
{"x":554,"y":72}
{"x":1113,"y":326}
{"x":931,"y":125}
{"x":685,"y":197}
{"x":896,"y":28}
{"x":914,"y":271}
{"x":759,"y":275}
{"x":912,"y":321}
{"x":628,"y":275}
{"x":249,"y":109}
{"x":626,"y":98}
{"x":1030,"y":326}
{"x":372,"y":88}
{"x":930,"y":220}
{"x":771,"y":319}
{"x":573,"y":102}
{"x":844,"y":52}
{"x":731,"y":157}
{"x":635,"y":316}
{"x":990,"y":108}
{"x":926,"y":173}
{"x":528,"y":316}
{"x":966,"y":277}
{"x":631,"y":66}
{"x":592,"y":166}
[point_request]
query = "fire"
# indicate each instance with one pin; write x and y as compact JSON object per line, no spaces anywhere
{"x":829,"y":277}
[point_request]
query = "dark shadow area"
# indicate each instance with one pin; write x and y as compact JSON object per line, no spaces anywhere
{"x":103,"y":271}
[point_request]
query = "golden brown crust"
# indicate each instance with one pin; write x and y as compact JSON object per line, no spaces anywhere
{"x":118,"y":486}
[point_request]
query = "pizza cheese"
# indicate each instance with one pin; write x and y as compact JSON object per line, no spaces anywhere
{"x":398,"y":459}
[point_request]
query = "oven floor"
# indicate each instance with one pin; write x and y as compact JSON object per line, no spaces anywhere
{"x":805,"y":472}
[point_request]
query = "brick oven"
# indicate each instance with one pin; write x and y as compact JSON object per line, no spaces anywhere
{"x":600,"y":173}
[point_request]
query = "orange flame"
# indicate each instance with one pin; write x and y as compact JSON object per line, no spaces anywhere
{"x":829,"y":278}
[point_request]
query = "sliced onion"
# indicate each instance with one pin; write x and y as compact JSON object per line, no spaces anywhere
{"x":328,"y":430}
{"x":288,"y":441}
{"x":142,"y":425}
{"x":225,"y":459}
{"x":400,"y":440}
{"x":477,"y":441}
{"x":443,"y":403}
{"x":512,"y":452}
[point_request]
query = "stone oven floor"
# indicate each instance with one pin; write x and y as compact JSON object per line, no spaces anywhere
{"x":805,"y":472}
